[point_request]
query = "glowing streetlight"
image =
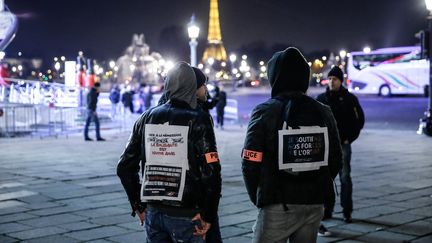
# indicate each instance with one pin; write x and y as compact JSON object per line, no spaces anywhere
{"x":112,"y":64}
{"x":193,"y":31}
{"x":428,"y":5}
{"x":57,"y":66}
{"x":244,"y":57}
{"x":342,"y":53}
{"x":63,"y":58}
{"x":210,"y":61}
{"x":324,"y":58}
{"x":367,"y":49}
{"x":233,"y":57}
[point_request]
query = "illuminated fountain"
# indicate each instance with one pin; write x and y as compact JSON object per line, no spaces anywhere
{"x":138,"y":65}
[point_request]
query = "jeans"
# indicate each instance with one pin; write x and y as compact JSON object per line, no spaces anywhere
{"x":91,"y":115}
{"x":298,"y":223}
{"x":163,"y":228}
{"x":345,"y":179}
{"x":346,"y":184}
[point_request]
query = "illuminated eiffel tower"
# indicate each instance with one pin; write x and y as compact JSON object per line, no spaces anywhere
{"x":215,"y":48}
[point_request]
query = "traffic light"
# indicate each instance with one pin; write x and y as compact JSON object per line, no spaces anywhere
{"x":423,"y":36}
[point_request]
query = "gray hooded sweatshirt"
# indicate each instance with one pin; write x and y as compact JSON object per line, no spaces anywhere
{"x":180,"y":84}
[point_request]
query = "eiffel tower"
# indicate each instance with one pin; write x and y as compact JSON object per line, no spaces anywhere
{"x":215,"y":48}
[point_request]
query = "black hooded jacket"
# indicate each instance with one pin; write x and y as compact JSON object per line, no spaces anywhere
{"x":203,"y":180}
{"x":266,"y":184}
{"x":347,"y":112}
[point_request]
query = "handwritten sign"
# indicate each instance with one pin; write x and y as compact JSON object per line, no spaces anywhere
{"x":166,"y":152}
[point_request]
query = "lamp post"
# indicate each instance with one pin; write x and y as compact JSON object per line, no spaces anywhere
{"x":426,"y":122}
{"x":193,"y":31}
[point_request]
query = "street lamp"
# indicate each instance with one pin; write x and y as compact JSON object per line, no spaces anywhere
{"x":425,"y":126}
{"x":193,"y":31}
{"x":367,"y":49}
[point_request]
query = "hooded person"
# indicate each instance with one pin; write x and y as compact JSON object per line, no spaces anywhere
{"x":174,"y":142}
{"x":291,"y":154}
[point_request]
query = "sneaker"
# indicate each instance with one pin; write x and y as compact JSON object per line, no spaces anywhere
{"x":101,"y":139}
{"x":322,"y":231}
{"x":88,"y":139}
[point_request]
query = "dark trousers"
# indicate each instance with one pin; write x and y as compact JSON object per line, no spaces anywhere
{"x":91,"y":115}
{"x":214,"y":234}
{"x":346,"y":184}
{"x":220,"y":116}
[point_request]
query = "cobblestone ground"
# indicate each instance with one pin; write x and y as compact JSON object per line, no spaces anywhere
{"x":66,"y":190}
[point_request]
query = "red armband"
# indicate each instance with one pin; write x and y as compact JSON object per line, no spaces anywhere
{"x":212,"y":157}
{"x":251,"y":155}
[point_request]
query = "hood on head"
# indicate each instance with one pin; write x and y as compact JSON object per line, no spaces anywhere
{"x":287,"y":71}
{"x":180,"y":84}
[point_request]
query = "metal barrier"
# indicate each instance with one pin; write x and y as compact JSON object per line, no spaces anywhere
{"x":17,"y":119}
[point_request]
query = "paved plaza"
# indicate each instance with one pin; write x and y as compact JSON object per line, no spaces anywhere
{"x":66,"y":190}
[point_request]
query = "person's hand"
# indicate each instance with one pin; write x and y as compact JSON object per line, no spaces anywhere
{"x":141,"y":217}
{"x":204,"y":226}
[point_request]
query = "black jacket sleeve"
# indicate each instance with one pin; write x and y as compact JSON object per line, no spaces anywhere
{"x":129,"y":165}
{"x":255,"y":137}
{"x":335,"y":150}
{"x":358,"y":119}
{"x":210,"y":169}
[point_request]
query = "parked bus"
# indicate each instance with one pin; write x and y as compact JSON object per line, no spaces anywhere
{"x":388,"y":71}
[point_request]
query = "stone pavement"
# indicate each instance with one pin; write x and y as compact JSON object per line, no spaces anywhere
{"x":66,"y":190}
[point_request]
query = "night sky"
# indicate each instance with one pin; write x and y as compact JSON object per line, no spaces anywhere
{"x":104,"y":28}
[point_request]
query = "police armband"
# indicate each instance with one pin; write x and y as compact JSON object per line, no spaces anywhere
{"x":251,"y":155}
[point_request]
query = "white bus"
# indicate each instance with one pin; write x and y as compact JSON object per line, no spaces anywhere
{"x":388,"y":71}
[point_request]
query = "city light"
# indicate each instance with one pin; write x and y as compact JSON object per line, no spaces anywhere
{"x":244,"y":57}
{"x":14,"y":69}
{"x":428,"y":5}
{"x":2,"y":54}
{"x":233,"y":57}
{"x":169,"y":65}
{"x":324,"y":58}
{"x":342,"y":53}
{"x":19,"y":53}
{"x":263,"y":69}
{"x":132,"y":67}
{"x":207,"y":70}
{"x":248,"y":74}
{"x":223,"y":64}
{"x":57,"y":66}
{"x":234,"y":70}
{"x":210,"y":61}
{"x":200,"y":66}
{"x":193,"y":29}
{"x":20,"y":68}
{"x":367,"y":49}
{"x":63,"y":58}
{"x":112,"y":64}
{"x":80,"y":53}
{"x":261,"y":63}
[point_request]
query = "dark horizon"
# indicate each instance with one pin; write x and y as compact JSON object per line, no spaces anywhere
{"x":103,"y":29}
